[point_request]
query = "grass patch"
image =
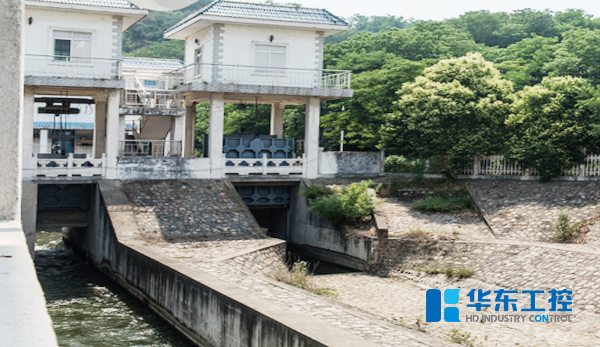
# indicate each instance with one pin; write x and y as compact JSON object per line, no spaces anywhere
{"x":449,"y":202}
{"x":450,"y":272}
{"x":563,"y":229}
{"x":462,"y":338}
{"x":417,"y":234}
{"x":299,"y":275}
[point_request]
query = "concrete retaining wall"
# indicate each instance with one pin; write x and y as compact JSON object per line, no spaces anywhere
{"x":208,"y":311}
{"x":351,"y":163}
{"x":308,"y":229}
{"x":133,"y":168}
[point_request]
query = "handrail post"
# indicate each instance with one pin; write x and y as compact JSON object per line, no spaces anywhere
{"x":104,"y":164}
{"x":70,"y":165}
{"x":303,"y":164}
{"x":264,"y":163}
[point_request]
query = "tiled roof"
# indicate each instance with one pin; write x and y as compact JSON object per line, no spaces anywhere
{"x":98,"y":3}
{"x":71,"y":126}
{"x":165,"y":65}
{"x":245,"y":10}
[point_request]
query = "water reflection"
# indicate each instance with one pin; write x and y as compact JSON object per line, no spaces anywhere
{"x":87,"y":308}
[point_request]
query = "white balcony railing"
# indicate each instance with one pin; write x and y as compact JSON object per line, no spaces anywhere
{"x":263,"y":166}
{"x":71,"y":167}
{"x":150,"y":148}
{"x":264,"y":76}
{"x":151,"y":98}
{"x":72,"y":67}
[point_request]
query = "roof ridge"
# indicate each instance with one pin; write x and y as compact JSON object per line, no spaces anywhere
{"x":310,"y":14}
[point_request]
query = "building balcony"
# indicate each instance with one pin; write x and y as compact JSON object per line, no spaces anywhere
{"x":262,"y":80}
{"x":62,"y":71}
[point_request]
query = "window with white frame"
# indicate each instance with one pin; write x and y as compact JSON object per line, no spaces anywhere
{"x":198,"y":62}
{"x":72,"y":46}
{"x":269,"y":55}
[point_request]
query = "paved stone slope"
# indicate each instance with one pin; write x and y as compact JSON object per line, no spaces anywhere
{"x":188,"y":209}
{"x":526,"y":210}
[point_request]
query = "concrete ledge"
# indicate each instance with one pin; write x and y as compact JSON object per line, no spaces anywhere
{"x":24,"y":321}
{"x":266,"y":90}
{"x":48,"y":81}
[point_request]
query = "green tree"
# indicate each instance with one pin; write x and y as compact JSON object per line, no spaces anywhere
{"x":361,"y":117}
{"x":457,"y":108}
{"x":551,"y":124}
{"x":164,"y":50}
{"x":483,"y":25}
{"x":578,"y":55}
{"x":524,"y":61}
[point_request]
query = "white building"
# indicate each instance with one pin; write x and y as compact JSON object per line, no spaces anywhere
{"x":235,"y":52}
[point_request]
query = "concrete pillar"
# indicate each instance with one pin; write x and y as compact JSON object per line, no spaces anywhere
{"x":176,"y":135}
{"x":215,"y":132}
{"x":311,"y":137}
{"x":190,"y":130}
{"x":277,"y":119}
{"x":11,"y":117}
{"x":114,"y":135}
{"x":100,"y":126}
{"x":44,"y":148}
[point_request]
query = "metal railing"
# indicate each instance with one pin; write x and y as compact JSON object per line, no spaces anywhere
{"x":75,"y":67}
{"x":151,"y":98}
{"x":150,"y":148}
{"x":265,"y":76}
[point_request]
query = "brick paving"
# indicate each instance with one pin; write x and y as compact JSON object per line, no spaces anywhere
{"x":187,"y":209}
{"x":526,"y":210}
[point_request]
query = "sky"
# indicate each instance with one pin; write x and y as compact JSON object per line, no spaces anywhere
{"x":442,"y":9}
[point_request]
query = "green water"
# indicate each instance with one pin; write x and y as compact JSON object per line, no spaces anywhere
{"x":88,"y":309}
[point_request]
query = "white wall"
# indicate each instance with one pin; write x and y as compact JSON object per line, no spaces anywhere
{"x":205,"y":40}
{"x":239,"y":44}
{"x":39,"y":38}
{"x":239,"y":40}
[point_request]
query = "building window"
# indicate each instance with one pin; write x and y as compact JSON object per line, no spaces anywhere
{"x":198,"y":62}
{"x":270,"y":55}
{"x":72,"y":46}
{"x":150,"y":83}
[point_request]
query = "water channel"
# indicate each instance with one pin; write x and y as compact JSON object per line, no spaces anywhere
{"x":88,"y":309}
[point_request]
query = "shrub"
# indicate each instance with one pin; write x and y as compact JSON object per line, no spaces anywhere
{"x":416,"y":234}
{"x":316,"y":191}
{"x":400,"y":164}
{"x":446,"y":202}
{"x":563,"y":229}
{"x":351,"y":204}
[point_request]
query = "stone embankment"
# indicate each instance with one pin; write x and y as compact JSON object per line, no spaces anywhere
{"x":193,"y":252}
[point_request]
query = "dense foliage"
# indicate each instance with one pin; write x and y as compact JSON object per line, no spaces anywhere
{"x":347,"y":206}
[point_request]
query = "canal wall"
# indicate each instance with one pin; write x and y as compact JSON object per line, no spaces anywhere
{"x":317,"y":237}
{"x":209,"y":311}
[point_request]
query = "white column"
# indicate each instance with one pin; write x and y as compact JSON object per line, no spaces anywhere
{"x":44,"y":141}
{"x":277,"y":119}
{"x":176,"y":135}
{"x":29,"y":160}
{"x":190,"y":130}
{"x":311,"y":137}
{"x":215,"y":133}
{"x":100,"y":126}
{"x":114,"y":136}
